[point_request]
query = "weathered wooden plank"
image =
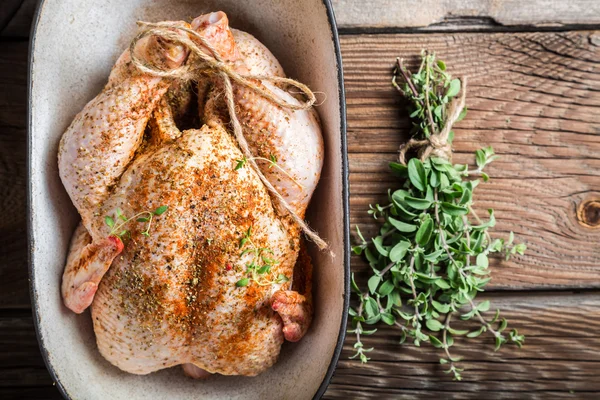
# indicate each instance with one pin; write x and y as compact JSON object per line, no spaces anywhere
{"x":21,"y":14}
{"x":18,"y":344}
{"x":396,"y":14}
{"x":13,"y":175}
{"x":22,"y":370}
{"x":535,"y":97}
{"x":559,"y":358}
{"x":7,"y":12}
{"x":405,"y":15}
{"x":38,"y":393}
{"x":560,"y":355}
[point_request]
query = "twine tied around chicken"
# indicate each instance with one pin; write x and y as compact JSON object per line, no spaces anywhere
{"x":212,"y":63}
{"x":437,"y":145}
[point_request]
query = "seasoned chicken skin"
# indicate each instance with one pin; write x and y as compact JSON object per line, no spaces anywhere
{"x":179,"y":287}
{"x":292,"y":138}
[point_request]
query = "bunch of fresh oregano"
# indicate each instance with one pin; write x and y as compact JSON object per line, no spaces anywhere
{"x":430,"y":258}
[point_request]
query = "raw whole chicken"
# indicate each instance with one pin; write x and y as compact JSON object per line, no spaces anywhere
{"x":181,"y":253}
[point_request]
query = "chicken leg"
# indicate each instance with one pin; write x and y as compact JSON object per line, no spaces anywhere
{"x":114,"y":120}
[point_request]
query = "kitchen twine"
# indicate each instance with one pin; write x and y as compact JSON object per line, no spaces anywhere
{"x":213,"y":64}
{"x":437,"y":144}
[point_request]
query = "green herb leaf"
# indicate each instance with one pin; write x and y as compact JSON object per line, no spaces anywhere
{"x":401,"y":171}
{"x":424,"y":233}
{"x":160,"y":210}
{"x":434,"y":340}
{"x":399,"y":251}
{"x":109,"y":221}
{"x":264,"y":269}
{"x":434,"y":325}
{"x":388,"y":318}
{"x":378,"y":242}
{"x":476,"y":333}
{"x":484,"y":306}
{"x":482,"y":260}
{"x":416,"y":203}
{"x":402,"y":226}
{"x":453,"y":209}
{"x":242,"y":282}
{"x":416,"y":174}
{"x":443,"y":308}
{"x":386,"y":288}
{"x":120,"y":215}
{"x":454,"y":88}
{"x":374,"y":283}
{"x":354,"y":286}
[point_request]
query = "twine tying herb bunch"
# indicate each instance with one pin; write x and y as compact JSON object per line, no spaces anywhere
{"x":202,"y":62}
{"x":429,"y":259}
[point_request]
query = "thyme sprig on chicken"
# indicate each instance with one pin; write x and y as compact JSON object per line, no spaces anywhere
{"x":431,"y":256}
{"x":258,"y":270}
{"x":117,"y":227}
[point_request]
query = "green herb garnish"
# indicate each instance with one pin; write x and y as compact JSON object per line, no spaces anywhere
{"x":116,"y":228}
{"x":259,"y":267}
{"x":430,"y":258}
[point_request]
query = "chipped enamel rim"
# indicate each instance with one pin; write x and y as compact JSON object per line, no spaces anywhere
{"x":345,"y":205}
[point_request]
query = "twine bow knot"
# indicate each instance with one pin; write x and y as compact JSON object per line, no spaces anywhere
{"x":437,"y":145}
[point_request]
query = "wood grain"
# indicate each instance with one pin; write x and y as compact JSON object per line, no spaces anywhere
{"x":535,"y":98}
{"x":19,"y":14}
{"x":559,"y":356}
{"x":18,"y":344}
{"x":14,"y":290}
{"x":38,"y":393}
{"x":21,"y":365}
{"x":450,"y":14}
{"x":405,"y":15}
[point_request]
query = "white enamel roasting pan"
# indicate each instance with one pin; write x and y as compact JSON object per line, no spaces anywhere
{"x":74,"y":44}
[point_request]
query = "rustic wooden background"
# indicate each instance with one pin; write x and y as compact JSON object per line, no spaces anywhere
{"x":534,"y":73}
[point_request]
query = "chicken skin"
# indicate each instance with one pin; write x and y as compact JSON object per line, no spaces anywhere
{"x":181,"y":253}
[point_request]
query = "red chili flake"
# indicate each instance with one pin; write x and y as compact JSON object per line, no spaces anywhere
{"x":228,"y":267}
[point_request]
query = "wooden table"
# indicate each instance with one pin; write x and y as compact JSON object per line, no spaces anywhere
{"x":534,"y":95}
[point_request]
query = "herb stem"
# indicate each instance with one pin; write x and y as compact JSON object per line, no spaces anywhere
{"x":427,"y":90}
{"x":440,"y":230}
{"x":406,"y":78}
{"x":444,"y":340}
{"x":147,"y":231}
{"x":411,"y":271}
{"x":388,"y":233}
{"x":482,"y":320}
{"x":118,"y":227}
{"x":468,"y":236}
{"x":479,"y":221}
{"x":359,"y":313}
{"x":387,"y":268}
